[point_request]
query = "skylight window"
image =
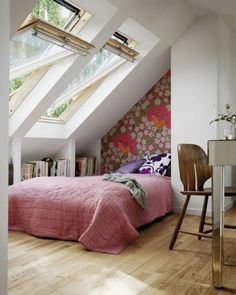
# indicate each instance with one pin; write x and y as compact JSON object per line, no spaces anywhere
{"x":63,"y":14}
{"x":91,"y":76}
{"x":25,"y":47}
{"x":36,"y":37}
{"x":42,"y":41}
{"x":45,"y":31}
{"x":104,"y":63}
{"x":122,"y":45}
{"x":124,"y":39}
{"x":22,"y":86}
{"x":101,"y":61}
{"x":16,"y":83}
{"x":54,"y":13}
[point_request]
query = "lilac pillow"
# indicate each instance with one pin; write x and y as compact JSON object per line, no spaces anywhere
{"x":131,"y":167}
{"x":157,"y":163}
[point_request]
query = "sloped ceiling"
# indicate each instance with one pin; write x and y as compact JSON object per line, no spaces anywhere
{"x":166,"y":20}
{"x":226,"y":8}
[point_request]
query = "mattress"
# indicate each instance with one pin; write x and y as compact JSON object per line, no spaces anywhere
{"x":102,"y":215}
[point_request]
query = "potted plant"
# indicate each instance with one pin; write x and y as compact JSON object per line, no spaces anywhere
{"x":229,"y":133}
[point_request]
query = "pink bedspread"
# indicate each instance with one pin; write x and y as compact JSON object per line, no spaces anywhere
{"x":101,"y":215}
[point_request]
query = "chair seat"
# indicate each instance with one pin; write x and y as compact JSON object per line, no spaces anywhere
{"x":229,"y":192}
{"x":204,"y":192}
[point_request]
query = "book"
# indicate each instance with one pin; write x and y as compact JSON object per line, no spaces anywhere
{"x":97,"y":167}
{"x":61,"y":167}
{"x":91,"y":166}
{"x":85,"y":166}
{"x":53,"y":169}
{"x":26,"y":171}
{"x":81,"y":164}
{"x":40,"y":168}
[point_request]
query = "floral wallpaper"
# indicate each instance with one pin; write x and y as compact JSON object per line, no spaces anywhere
{"x":145,"y":129}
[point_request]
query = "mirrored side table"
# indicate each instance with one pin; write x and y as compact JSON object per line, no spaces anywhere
{"x":220,"y":153}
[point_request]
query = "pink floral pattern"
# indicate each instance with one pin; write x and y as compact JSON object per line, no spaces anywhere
{"x":159,"y":115}
{"x":145,"y":129}
{"x":125,"y":144}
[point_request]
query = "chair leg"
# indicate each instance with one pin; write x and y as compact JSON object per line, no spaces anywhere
{"x":203,"y":216}
{"x":179,"y":223}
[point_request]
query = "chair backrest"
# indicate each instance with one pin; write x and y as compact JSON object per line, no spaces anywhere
{"x":193,"y":167}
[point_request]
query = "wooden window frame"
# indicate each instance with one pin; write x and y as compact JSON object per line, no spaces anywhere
{"x":73,"y":29}
{"x":121,"y":49}
{"x":19,"y":95}
{"x":56,"y":34}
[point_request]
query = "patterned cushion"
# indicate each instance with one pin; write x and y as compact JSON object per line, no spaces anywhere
{"x":157,"y":163}
{"x":131,"y":167}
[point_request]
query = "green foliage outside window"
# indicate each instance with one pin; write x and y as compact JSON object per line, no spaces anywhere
{"x":58,"y":111}
{"x":17,"y":83}
{"x":51,"y":12}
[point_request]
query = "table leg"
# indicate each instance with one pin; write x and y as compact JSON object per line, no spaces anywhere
{"x":217,"y":225}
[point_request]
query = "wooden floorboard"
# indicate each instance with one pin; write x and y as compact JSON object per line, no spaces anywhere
{"x":146,"y":266}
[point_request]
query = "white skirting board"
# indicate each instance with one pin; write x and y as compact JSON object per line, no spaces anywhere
{"x":196,"y":211}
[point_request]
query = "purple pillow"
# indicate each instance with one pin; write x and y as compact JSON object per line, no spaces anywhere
{"x":157,"y":163}
{"x":131,"y":167}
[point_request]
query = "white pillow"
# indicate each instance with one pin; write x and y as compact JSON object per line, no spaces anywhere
{"x":156,"y":163}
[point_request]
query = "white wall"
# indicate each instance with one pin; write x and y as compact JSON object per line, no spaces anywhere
{"x":233,"y":85}
{"x":233,"y":70}
{"x":203,"y":64}
{"x":224,"y":76}
{"x":194,"y":94}
{"x":68,"y":152}
{"x":227,"y":78}
{"x":4,"y":80}
{"x":226,"y":70}
{"x":15,"y":157}
{"x":93,"y":150}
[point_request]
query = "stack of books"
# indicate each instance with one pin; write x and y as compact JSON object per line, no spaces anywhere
{"x":59,"y":168}
{"x":41,"y":168}
{"x":86,"y":166}
{"x":34,"y":169}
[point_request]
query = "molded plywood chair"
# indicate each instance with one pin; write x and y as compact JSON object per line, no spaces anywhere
{"x":194,"y":172}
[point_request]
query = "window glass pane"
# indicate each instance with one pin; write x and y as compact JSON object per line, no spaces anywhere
{"x":26,"y":47}
{"x":99,"y":63}
{"x":55,"y":112}
{"x":52,"y":12}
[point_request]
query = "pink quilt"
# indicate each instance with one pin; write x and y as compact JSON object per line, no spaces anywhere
{"x":100,"y":214}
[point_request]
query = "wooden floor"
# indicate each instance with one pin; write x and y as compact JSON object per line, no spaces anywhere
{"x":44,"y":267}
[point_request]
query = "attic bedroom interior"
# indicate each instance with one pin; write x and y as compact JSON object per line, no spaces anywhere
{"x":118,"y":145}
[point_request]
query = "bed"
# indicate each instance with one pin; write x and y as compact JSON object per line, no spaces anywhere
{"x":102,"y":215}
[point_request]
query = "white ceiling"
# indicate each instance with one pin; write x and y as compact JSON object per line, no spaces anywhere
{"x":146,"y":12}
{"x":226,"y":8}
